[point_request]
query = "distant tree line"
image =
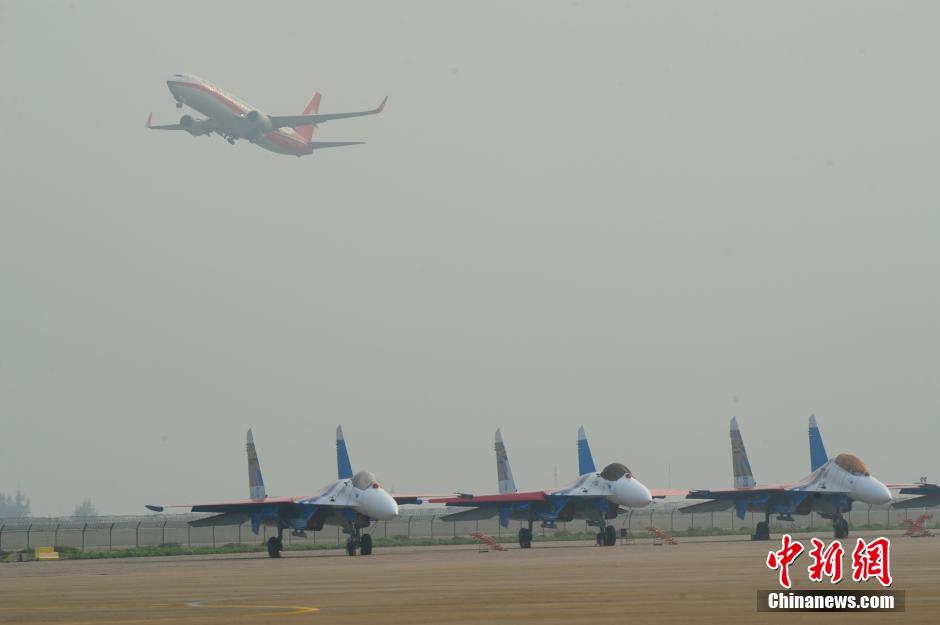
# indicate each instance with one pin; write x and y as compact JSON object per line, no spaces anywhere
{"x":14,"y":506}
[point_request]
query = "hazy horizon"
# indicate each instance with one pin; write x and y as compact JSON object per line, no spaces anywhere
{"x":643,"y":218}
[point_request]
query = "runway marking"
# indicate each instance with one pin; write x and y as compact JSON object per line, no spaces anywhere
{"x":279,"y":610}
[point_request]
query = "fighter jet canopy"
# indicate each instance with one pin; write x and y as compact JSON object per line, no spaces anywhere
{"x":614,"y":471}
{"x":363,"y":480}
{"x":852,"y":463}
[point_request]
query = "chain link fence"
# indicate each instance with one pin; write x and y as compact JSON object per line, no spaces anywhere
{"x":111,"y":533}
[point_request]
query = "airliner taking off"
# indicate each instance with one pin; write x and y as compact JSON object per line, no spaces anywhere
{"x":233,"y":118}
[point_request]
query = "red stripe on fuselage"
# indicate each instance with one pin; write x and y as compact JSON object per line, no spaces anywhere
{"x":233,"y":106}
{"x":286,"y":142}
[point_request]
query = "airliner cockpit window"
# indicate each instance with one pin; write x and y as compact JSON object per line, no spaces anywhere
{"x":852,"y":463}
{"x":363,"y":480}
{"x":614,"y":471}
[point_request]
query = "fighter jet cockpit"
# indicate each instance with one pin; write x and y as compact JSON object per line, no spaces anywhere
{"x":614,"y":471}
{"x":852,"y":463}
{"x":364,"y":480}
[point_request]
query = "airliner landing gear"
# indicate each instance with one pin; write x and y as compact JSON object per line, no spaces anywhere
{"x":525,"y":537}
{"x":275,"y":545}
{"x":840,"y":527}
{"x":762,"y":531}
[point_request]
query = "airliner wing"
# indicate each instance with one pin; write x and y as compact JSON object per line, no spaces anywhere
{"x":280,"y":121}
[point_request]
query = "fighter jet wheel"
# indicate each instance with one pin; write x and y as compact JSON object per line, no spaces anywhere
{"x":274,"y":547}
{"x":841,"y":528}
{"x":761,"y":532}
{"x":365,"y":548}
{"x":525,"y":538}
{"x":351,"y":547}
{"x":610,"y":536}
{"x":601,"y":539}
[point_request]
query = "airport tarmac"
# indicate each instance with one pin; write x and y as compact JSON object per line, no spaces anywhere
{"x":701,"y":581}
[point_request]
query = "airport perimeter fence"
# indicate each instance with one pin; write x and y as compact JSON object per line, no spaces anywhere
{"x":113,"y":533}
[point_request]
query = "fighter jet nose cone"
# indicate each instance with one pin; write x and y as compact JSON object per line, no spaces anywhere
{"x":631,"y":493}
{"x":873,"y":491}
{"x":378,"y":504}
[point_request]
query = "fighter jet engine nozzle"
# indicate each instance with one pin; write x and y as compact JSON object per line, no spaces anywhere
{"x":259,"y":121}
{"x":192,"y":126}
{"x":628,"y":491}
{"x":376,"y":503}
{"x":872,"y":491}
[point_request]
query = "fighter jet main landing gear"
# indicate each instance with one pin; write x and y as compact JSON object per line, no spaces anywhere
{"x":840,"y":527}
{"x":275,"y":545}
{"x":762,"y":530}
{"x":525,"y":537}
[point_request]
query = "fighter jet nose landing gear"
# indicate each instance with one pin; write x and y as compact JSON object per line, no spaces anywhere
{"x":606,"y":535}
{"x":359,"y":542}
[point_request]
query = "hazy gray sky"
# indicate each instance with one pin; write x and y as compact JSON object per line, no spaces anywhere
{"x":641,"y":217}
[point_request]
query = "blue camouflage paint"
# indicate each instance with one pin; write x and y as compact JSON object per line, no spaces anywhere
{"x":343,"y":466}
{"x":817,"y":451}
{"x":585,"y":459}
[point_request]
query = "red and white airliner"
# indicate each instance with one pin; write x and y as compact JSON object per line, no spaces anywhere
{"x":233,"y":119}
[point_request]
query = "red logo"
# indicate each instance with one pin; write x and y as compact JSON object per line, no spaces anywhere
{"x":868,"y":560}
{"x":826,"y":562}
{"x":871,"y":560}
{"x":781,"y":560}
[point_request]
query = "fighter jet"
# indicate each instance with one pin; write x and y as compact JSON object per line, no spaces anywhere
{"x":595,"y":497}
{"x":352,"y":502}
{"x":928,"y":495}
{"x":829,"y":490}
{"x":232,"y":118}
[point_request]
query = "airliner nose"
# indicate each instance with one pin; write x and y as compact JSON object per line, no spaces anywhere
{"x":632,"y":493}
{"x":871,"y":490}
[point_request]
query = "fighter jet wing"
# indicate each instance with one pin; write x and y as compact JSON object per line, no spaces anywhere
{"x":280,"y":121}
{"x":927,"y":495}
{"x":662,"y":493}
{"x":257,"y":505}
{"x":476,"y":501}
